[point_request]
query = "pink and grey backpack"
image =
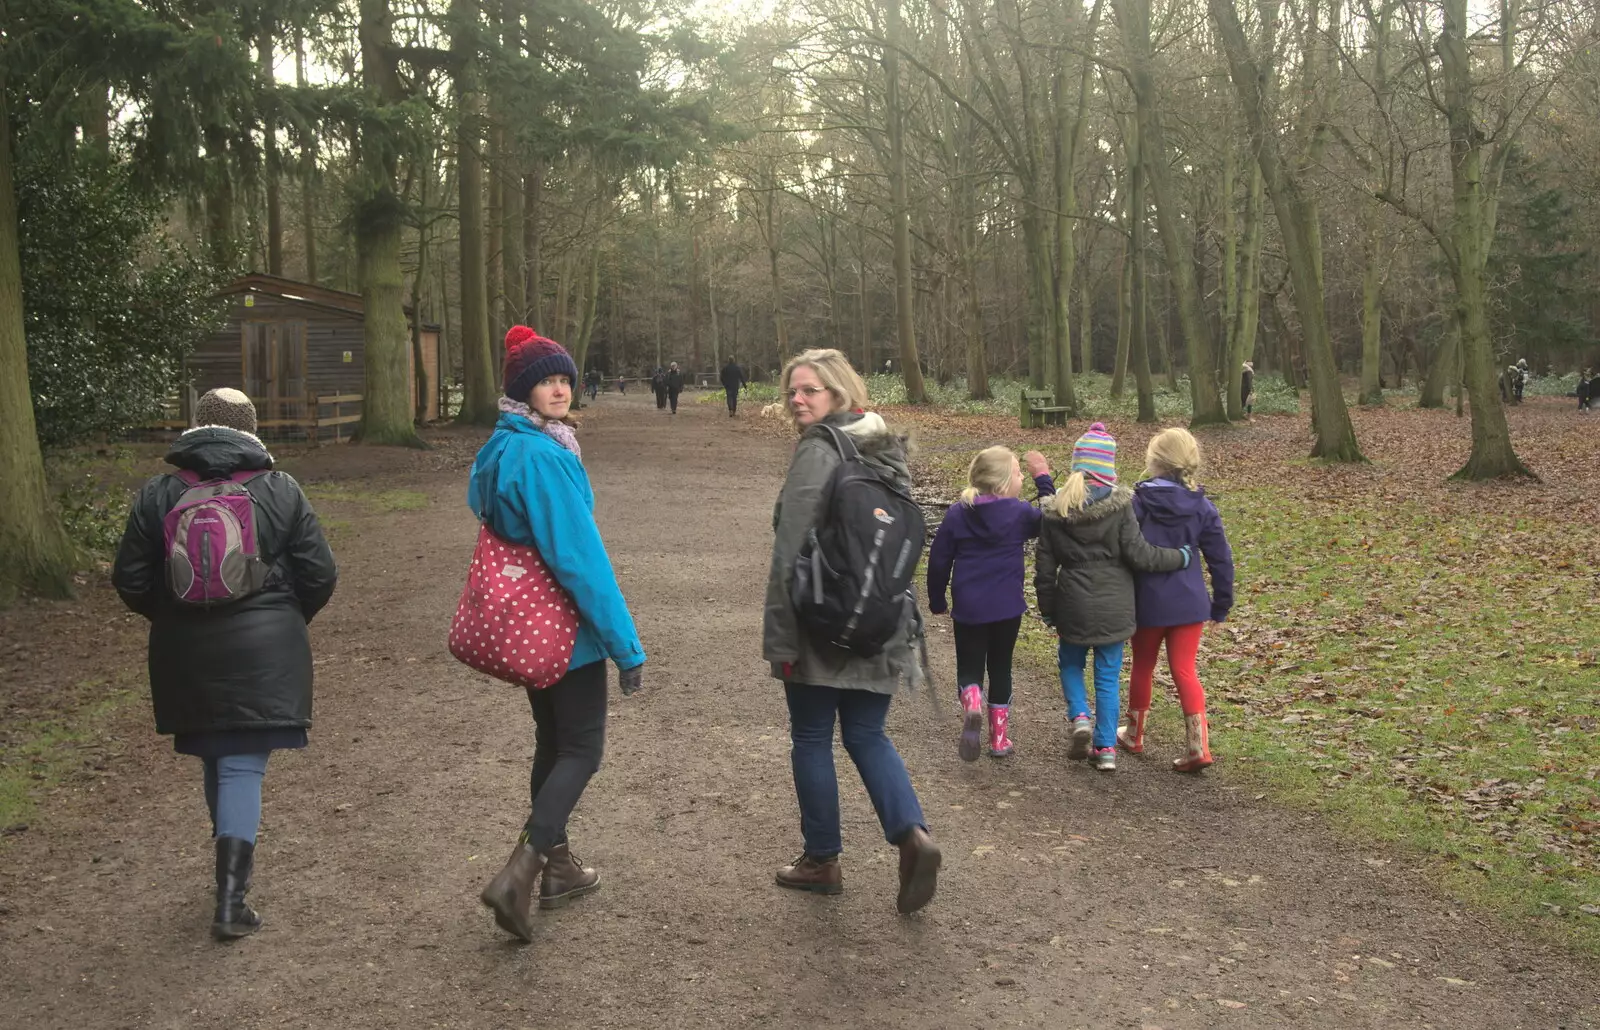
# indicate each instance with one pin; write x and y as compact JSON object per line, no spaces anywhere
{"x":210,"y":537}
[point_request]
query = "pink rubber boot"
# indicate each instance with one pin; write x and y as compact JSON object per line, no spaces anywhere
{"x":999,"y":743}
{"x":971,"y":722}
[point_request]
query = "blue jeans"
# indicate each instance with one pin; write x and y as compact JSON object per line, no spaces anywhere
{"x":861,"y":715}
{"x":1107,"y":682}
{"x":233,"y":794}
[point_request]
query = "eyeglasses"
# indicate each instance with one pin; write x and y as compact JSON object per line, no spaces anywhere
{"x":809,"y":391}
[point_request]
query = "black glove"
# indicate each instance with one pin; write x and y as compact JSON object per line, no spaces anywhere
{"x":630,"y":680}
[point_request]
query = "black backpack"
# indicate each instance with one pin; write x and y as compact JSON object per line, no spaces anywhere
{"x":853,"y":576}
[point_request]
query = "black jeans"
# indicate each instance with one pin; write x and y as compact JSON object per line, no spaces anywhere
{"x":569,"y":736}
{"x":672,"y":395}
{"x":980,"y":644}
{"x":733,"y":401}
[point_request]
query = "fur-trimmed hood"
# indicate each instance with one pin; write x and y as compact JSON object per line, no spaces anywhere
{"x":1119,"y":498}
{"x":887,"y":453}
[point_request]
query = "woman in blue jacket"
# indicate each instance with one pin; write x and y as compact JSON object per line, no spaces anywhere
{"x":528,"y":482}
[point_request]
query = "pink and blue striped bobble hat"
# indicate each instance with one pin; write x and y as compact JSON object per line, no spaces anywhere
{"x":1095,"y":455}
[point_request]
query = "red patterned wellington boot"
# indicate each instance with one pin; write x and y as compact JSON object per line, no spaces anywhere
{"x":1131,"y":737}
{"x":1198,"y":755}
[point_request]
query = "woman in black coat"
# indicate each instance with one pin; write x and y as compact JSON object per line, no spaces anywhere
{"x":230,"y":681}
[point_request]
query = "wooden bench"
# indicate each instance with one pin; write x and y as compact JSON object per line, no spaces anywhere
{"x":1039,"y":408}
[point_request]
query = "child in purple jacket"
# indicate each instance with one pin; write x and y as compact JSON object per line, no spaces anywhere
{"x":982,"y":536}
{"x":1173,"y":607}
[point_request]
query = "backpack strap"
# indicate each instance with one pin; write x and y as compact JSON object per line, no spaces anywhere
{"x":841,"y":440}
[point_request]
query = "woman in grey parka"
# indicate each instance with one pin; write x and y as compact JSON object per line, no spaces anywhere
{"x":824,"y":683}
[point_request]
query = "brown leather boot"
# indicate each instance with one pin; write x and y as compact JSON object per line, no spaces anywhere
{"x":817,"y":875}
{"x":919,"y":870}
{"x":565,"y":878}
{"x":510,"y":892}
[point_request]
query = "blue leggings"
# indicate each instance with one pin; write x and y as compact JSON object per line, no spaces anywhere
{"x":233,"y":794}
{"x":1107,"y":682}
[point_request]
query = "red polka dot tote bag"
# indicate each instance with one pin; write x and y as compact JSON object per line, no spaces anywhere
{"x":514,"y":622}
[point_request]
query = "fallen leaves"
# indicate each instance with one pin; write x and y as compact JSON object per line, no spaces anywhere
{"x":1419,"y":646}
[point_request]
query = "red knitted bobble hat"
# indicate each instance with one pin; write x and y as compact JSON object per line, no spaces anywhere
{"x":531,"y":358}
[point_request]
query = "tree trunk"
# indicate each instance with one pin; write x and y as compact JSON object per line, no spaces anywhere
{"x":1040,"y":310}
{"x":1471,"y":232}
{"x":509,"y":173}
{"x":588,"y":305}
{"x":222,"y":242}
{"x":978,"y":387}
{"x":1372,"y":317}
{"x":513,"y":268}
{"x":1247,"y":310}
{"x":1201,"y":348}
{"x":386,"y":413}
{"x":379,"y":218}
{"x":479,"y":404}
{"x":655,"y":271}
{"x":533,"y":242}
{"x":774,"y":230}
{"x":711,"y":311}
{"x":866,"y":303}
{"x":1138,"y":329}
{"x":419,"y":365}
{"x":1119,"y":369}
{"x":694,"y":295}
{"x":97,"y":116}
{"x":905,"y":315}
{"x":269,"y":131}
{"x":35,"y":554}
{"x":1071,"y":120}
{"x":308,"y":168}
{"x":494,"y":245}
{"x":1085,"y":318}
{"x":1335,"y":436}
{"x":561,"y":316}
{"x":1167,"y":364}
{"x":1372,"y":277}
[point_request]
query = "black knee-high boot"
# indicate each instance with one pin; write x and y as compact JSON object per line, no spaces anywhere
{"x":234,"y":918}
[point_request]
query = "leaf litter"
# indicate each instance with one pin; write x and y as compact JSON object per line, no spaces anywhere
{"x":1400,"y":639}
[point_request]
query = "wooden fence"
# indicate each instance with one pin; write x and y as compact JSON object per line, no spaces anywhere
{"x":319,"y":418}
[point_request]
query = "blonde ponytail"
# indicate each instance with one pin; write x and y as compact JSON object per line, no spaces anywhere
{"x":1073,"y":496}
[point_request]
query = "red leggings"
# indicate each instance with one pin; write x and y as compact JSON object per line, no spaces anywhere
{"x":1183,"y":645}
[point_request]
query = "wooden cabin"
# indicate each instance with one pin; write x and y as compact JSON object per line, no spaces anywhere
{"x":296,"y":350}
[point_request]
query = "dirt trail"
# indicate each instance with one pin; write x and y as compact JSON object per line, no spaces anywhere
{"x":1069,"y":898}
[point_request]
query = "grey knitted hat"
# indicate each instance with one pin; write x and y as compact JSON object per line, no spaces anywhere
{"x":226,"y":406}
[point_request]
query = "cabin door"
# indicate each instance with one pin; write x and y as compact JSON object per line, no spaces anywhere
{"x":275,"y":372}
